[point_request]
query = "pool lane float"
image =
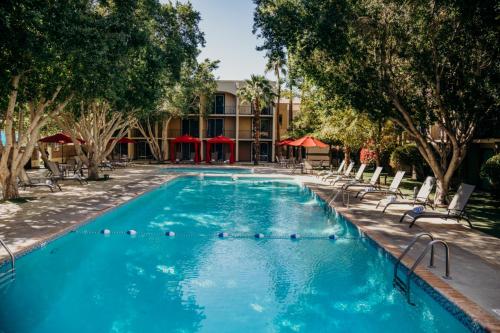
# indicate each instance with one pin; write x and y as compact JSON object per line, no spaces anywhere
{"x":170,"y":234}
{"x":294,"y":236}
{"x":105,"y":231}
{"x":259,"y":235}
{"x":131,"y":232}
{"x":223,"y":235}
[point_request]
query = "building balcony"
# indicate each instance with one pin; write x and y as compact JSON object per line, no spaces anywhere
{"x":248,"y":135}
{"x":173,"y":133}
{"x":225,"y":110}
{"x":227,"y":133}
{"x":248,"y":110}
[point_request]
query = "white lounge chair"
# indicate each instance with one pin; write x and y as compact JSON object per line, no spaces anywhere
{"x":346,"y":174}
{"x":455,"y":210}
{"x":392,"y":189}
{"x":421,"y":198}
{"x":327,"y":174}
{"x":346,"y":177}
{"x":373,"y":180}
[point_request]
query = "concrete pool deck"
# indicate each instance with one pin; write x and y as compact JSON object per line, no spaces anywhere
{"x":475,"y":257}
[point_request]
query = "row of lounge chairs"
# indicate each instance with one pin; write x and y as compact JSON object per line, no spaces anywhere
{"x":393,"y":195}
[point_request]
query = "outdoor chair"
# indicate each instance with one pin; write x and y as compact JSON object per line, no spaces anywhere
{"x":178,"y":157}
{"x":57,"y":174}
{"x":392,"y":189}
{"x":227,"y":158}
{"x":326,"y":174}
{"x":307,"y":167}
{"x":359,"y":182}
{"x":191,"y":158}
{"x":455,"y":210}
{"x":347,"y":174}
{"x":25,"y":181}
{"x":422,"y":197}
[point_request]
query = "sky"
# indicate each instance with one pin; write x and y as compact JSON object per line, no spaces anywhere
{"x":227,"y":25}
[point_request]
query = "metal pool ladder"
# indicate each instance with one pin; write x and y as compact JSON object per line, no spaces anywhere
{"x":404,"y":285}
{"x":8,"y":276}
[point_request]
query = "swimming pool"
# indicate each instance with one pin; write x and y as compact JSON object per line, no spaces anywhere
{"x":197,"y":282}
{"x":212,"y":170}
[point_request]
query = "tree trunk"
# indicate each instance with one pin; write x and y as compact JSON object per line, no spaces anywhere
{"x":164,"y":136}
{"x":347,"y":155}
{"x":93,"y":170}
{"x":442,"y":188}
{"x":9,"y":186}
{"x":278,"y":111}
{"x":256,"y":131}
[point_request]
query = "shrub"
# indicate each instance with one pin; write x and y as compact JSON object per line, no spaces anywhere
{"x":408,"y":158}
{"x":491,"y":171}
{"x":367,"y":156}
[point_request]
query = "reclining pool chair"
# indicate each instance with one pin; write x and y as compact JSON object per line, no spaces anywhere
{"x":344,"y":175}
{"x":357,"y":177}
{"x":55,"y":173}
{"x":25,"y":181}
{"x":455,"y":210}
{"x":392,"y":189}
{"x":373,"y":181}
{"x":421,"y":198}
{"x":324,"y":175}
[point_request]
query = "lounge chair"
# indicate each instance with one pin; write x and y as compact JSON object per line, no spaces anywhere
{"x":421,"y":198}
{"x":227,"y":158}
{"x":327,"y":174}
{"x":178,"y":157}
{"x":346,"y":173}
{"x":25,"y":181}
{"x":392,"y":189}
{"x":55,"y":173}
{"x":373,"y":181}
{"x":455,"y":210}
{"x":347,"y":177}
{"x":191,"y":158}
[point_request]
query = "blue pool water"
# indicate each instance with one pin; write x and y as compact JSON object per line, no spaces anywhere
{"x":197,"y":282}
{"x":220,"y":170}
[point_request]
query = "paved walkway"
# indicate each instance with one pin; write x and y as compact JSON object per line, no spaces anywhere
{"x":475,"y":256}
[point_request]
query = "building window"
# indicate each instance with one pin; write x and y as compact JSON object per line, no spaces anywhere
{"x":215,"y":127}
{"x":219,"y":104}
{"x":191,"y":127}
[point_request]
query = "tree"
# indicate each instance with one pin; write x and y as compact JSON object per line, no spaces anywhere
{"x":259,"y":92}
{"x":276,"y":63}
{"x":190,"y":95}
{"x":425,"y":65}
{"x":39,"y":68}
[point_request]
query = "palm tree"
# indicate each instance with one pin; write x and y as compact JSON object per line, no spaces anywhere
{"x":277,"y":65}
{"x":257,"y":91}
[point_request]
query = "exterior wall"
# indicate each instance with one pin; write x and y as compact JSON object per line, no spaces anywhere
{"x":237,"y":118}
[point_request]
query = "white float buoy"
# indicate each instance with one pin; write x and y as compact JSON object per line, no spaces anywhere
{"x":234,"y":177}
{"x":132,"y":232}
{"x":294,"y":236}
{"x":170,"y":233}
{"x":105,"y":231}
{"x":223,"y":234}
{"x":259,"y":235}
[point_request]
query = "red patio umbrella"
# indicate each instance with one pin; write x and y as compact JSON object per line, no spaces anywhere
{"x":186,"y":139}
{"x":60,"y":138}
{"x":308,"y":141}
{"x":284,"y":142}
{"x":224,"y":140}
{"x":124,"y":140}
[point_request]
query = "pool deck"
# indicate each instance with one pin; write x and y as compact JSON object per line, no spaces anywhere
{"x":475,"y":256}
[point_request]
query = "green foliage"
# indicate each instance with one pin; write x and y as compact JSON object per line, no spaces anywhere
{"x":491,"y":171}
{"x":407,"y":157}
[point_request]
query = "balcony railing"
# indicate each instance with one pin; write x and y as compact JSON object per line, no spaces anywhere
{"x":249,"y":134}
{"x":223,"y":110}
{"x":248,"y":110}
{"x":212,"y":133}
{"x":173,"y":133}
